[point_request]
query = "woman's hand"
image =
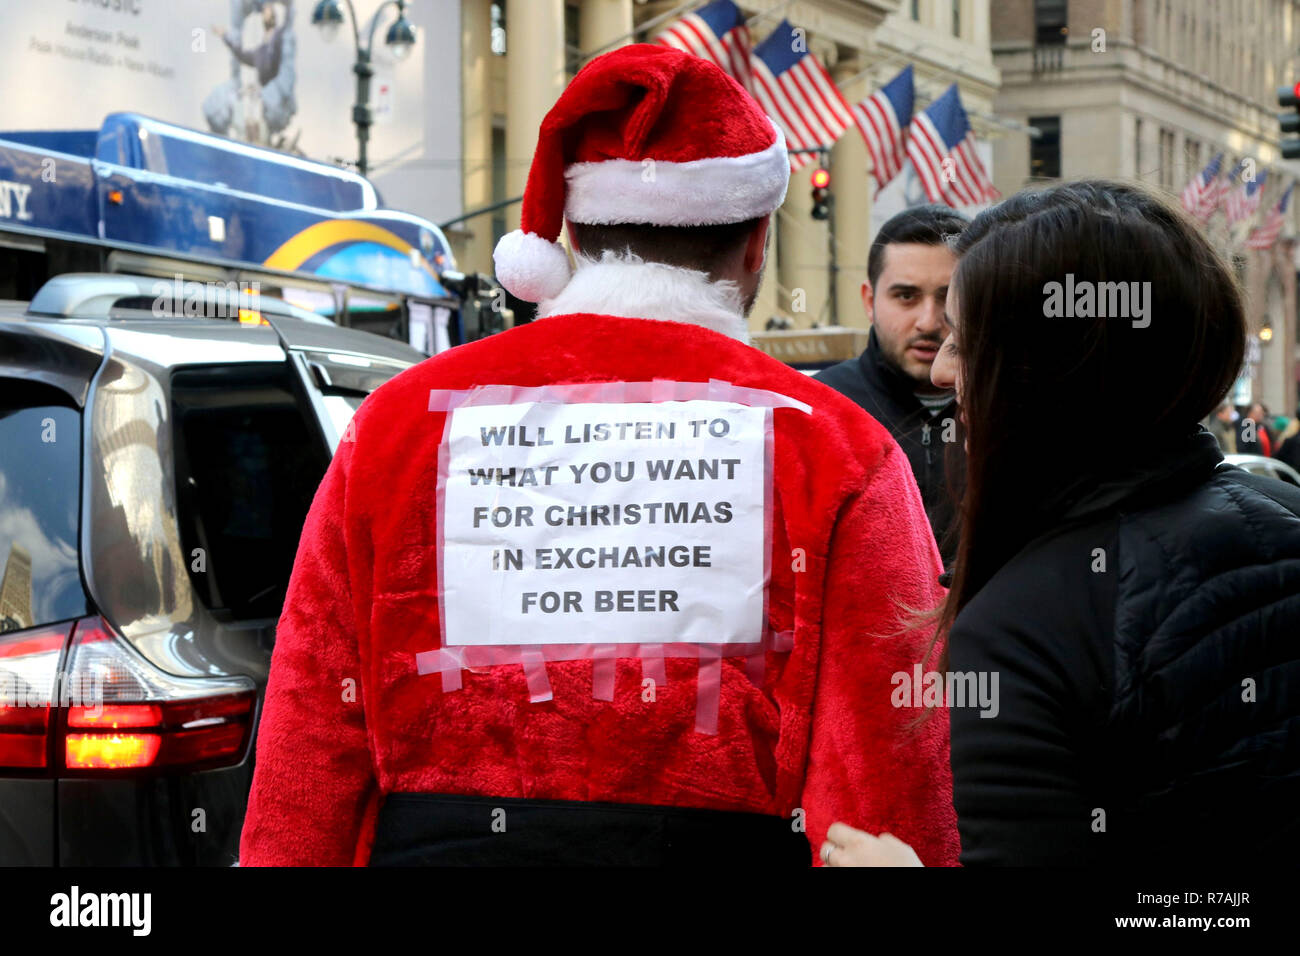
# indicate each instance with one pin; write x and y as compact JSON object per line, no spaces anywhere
{"x":846,"y":846}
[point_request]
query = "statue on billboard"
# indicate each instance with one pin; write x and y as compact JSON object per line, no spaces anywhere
{"x":257,"y":109}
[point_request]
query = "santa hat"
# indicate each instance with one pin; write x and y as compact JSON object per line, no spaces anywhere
{"x":644,"y":134}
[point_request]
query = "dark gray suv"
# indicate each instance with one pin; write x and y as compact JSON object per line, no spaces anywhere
{"x":155,"y":473}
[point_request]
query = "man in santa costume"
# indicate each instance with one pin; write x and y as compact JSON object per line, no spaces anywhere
{"x":613,"y":586}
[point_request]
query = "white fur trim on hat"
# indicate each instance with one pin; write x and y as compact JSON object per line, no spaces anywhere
{"x":530,"y":267}
{"x":701,"y":192}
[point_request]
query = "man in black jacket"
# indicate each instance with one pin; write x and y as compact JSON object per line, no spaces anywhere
{"x":908,"y":270}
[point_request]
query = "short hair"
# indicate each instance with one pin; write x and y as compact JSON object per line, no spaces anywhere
{"x":691,"y":247}
{"x":931,"y":225}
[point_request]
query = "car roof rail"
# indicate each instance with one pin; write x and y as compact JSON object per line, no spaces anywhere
{"x":100,"y":295}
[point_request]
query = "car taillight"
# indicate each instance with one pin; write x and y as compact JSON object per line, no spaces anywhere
{"x":29,"y":668}
{"x":111,"y":709}
{"x":122,"y":713}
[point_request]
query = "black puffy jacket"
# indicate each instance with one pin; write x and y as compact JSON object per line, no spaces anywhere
{"x":1147,"y":654}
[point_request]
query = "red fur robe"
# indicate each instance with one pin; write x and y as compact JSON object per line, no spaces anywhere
{"x":821,"y":735}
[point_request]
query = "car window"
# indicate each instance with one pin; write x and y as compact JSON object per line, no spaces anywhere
{"x":381,"y":315}
{"x":340,"y":409}
{"x":247,"y":467}
{"x":344,"y":381}
{"x":40,"y":493}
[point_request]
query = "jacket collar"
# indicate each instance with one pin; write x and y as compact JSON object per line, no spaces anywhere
{"x":1159,"y":475}
{"x":877,"y":368}
{"x":627,"y":286}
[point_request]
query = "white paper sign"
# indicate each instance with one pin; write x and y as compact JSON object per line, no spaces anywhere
{"x":604,"y":524}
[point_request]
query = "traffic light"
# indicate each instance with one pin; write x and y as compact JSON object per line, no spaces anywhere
{"x":1289,"y":122}
{"x":821,"y":193}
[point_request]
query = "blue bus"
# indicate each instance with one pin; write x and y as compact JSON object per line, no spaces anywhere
{"x":143,"y":196}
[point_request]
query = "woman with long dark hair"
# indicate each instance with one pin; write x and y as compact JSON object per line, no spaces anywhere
{"x":1135,"y":601}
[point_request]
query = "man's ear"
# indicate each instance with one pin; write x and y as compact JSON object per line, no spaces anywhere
{"x":756,"y":247}
{"x":868,"y":297}
{"x":573,"y":239}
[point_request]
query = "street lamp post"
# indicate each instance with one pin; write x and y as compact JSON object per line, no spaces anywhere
{"x":399,"y":39}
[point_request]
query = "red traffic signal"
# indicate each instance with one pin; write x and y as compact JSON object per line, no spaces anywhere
{"x":821,"y":193}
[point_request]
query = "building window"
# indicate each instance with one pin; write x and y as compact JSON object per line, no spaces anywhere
{"x":1051,"y":22}
{"x":572,"y":45}
{"x":499,"y":28}
{"x":1045,"y":149}
{"x":1192,"y":156}
{"x":498,"y":182}
{"x":1166,"y":159}
{"x":1137,"y":148}
{"x":916,"y":10}
{"x":956,"y":18}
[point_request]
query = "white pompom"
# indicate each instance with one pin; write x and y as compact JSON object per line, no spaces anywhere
{"x":530,"y":267}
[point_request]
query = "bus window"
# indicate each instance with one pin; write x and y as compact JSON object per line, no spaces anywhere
{"x":321,"y":301}
{"x":381,"y":315}
{"x":429,"y":328}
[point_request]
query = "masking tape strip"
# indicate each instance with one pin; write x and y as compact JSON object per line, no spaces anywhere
{"x":663,"y":390}
{"x":449,"y":662}
{"x":451,"y":680}
{"x":716,"y":390}
{"x":708,"y":693}
{"x":539,"y":686}
{"x":652,"y":664}
{"x":604,"y":667}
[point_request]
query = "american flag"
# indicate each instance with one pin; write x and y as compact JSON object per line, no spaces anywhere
{"x":716,"y":32}
{"x":1219,"y":191}
{"x":1244,"y":202}
{"x":883,"y":119}
{"x":797,"y":93}
{"x":1202,"y":193}
{"x":941,"y":146}
{"x":1266,"y":235}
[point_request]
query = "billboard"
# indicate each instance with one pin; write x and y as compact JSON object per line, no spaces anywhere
{"x":254,"y":70}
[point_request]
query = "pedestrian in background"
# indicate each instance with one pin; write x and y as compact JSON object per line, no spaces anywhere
{"x":1253,"y":437}
{"x":1222,"y":425}
{"x":1139,"y":599}
{"x":909,"y":268}
{"x":1288,"y":449}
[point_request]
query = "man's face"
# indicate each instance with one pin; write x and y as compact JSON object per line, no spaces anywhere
{"x":906,"y":307}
